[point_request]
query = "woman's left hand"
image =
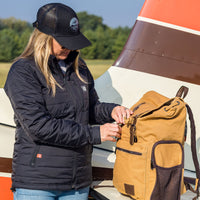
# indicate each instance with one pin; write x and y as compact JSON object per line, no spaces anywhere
{"x":120,"y":113}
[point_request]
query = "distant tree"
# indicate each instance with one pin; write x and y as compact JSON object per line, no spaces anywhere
{"x":104,"y":44}
{"x":14,"y":36}
{"x":8,"y":44}
{"x":107,"y":43}
{"x":121,"y":35}
{"x":89,"y":22}
{"x":18,"y":25}
{"x":91,"y":51}
{"x":23,"y":40}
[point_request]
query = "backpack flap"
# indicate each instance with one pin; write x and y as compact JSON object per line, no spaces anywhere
{"x":153,"y":119}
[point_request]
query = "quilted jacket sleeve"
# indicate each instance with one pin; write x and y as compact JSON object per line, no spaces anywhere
{"x":24,"y":91}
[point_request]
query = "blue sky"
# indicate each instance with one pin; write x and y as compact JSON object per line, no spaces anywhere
{"x":114,"y":12}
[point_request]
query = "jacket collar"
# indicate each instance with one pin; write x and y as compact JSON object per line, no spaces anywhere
{"x":53,"y":62}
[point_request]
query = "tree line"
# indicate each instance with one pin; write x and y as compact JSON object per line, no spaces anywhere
{"x":107,"y":43}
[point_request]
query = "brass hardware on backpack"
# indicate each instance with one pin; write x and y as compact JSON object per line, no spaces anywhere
{"x":132,"y":124}
{"x":133,"y":137}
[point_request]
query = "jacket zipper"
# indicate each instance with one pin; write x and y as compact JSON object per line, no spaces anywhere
{"x":74,"y":172}
{"x":33,"y":160}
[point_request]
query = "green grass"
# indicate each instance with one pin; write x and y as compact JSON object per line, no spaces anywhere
{"x":4,"y":68}
{"x":97,"y":68}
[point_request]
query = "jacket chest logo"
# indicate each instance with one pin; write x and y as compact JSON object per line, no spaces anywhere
{"x":84,"y":88}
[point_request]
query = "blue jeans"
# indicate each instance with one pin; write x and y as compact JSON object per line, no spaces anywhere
{"x":26,"y":194}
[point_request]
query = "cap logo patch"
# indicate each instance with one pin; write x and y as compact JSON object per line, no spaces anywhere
{"x":74,"y":24}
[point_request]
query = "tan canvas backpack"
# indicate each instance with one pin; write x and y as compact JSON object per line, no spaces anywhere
{"x":149,"y":156}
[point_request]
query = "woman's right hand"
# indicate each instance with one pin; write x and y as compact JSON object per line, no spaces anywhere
{"x":109,"y":132}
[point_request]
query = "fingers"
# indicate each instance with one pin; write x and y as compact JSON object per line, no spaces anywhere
{"x":128,"y":112}
{"x":109,"y":132}
{"x":120,"y":114}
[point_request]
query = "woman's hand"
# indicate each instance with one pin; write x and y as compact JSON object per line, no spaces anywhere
{"x":120,"y":113}
{"x":109,"y":132}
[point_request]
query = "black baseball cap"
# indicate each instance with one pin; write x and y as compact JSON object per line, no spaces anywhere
{"x":61,"y":22}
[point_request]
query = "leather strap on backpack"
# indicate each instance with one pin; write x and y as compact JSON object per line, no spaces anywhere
{"x":193,"y":148}
{"x":182,"y":92}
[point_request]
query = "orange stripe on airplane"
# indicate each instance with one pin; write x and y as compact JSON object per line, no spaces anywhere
{"x":5,"y":185}
{"x":183,"y":13}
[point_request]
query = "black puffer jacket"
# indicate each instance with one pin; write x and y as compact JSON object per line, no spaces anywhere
{"x":53,"y":137}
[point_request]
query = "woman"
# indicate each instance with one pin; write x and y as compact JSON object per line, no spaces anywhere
{"x":52,"y":93}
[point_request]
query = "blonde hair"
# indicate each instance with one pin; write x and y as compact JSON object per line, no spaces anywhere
{"x":40,"y":47}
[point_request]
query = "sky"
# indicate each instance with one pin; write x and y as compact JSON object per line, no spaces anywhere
{"x":114,"y":12}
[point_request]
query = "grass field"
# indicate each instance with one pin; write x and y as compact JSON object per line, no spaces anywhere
{"x":4,"y":68}
{"x":97,"y":68}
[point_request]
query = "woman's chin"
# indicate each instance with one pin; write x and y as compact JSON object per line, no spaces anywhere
{"x":61,"y":57}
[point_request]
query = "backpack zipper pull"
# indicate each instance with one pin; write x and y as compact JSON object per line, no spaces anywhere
{"x":133,"y":137}
{"x":130,"y":123}
{"x":132,"y":134}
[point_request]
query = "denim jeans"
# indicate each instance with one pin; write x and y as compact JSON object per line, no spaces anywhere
{"x":26,"y":194}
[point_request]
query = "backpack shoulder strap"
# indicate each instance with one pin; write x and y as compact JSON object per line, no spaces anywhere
{"x":193,"y":147}
{"x":182,"y":93}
